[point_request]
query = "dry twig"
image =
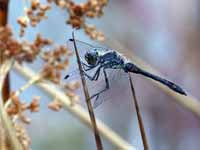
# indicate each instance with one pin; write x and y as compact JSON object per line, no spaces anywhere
{"x":87,"y":99}
{"x":139,"y":117}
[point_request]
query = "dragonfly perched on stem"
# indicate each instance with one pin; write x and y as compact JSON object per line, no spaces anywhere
{"x":102,"y":59}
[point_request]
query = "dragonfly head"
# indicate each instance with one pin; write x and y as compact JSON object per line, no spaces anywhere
{"x":92,"y":58}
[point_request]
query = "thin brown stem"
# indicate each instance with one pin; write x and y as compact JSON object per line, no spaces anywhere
{"x":139,"y":116}
{"x":3,"y":22}
{"x":6,"y":84}
{"x":87,"y":98}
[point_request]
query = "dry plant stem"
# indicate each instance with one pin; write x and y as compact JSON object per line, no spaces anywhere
{"x":5,"y":120}
{"x":76,"y":110}
{"x":3,"y":22}
{"x":3,"y":19}
{"x":139,"y":116}
{"x":2,"y":138}
{"x":189,"y":102}
{"x":87,"y":99}
{"x":24,"y":87}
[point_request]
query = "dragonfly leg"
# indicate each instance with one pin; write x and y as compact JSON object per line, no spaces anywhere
{"x":96,"y":101}
{"x":97,"y":76}
{"x":87,"y":67}
{"x":92,"y":78}
{"x":105,"y":66}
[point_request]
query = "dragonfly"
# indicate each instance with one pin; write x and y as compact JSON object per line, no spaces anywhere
{"x":101,"y":59}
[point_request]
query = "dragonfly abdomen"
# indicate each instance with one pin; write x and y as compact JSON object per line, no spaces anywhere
{"x":130,"y":67}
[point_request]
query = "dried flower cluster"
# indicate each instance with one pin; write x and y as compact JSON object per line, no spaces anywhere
{"x":90,"y":9}
{"x":20,"y":51}
{"x":22,"y":136}
{"x":78,"y":13}
{"x":69,"y":90}
{"x":34,"y":14}
{"x":17,"y":108}
{"x":56,"y":61}
{"x":55,"y":105}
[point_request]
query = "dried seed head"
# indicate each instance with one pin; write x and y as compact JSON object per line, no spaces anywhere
{"x":62,"y":4}
{"x":63,"y":49}
{"x":22,"y":21}
{"x":90,"y":14}
{"x":73,"y":85}
{"x":75,"y":21}
{"x":44,"y":8}
{"x":29,"y":12}
{"x":100,"y":37}
{"x":22,"y":135}
{"x":60,"y":66}
{"x":49,"y":1}
{"x":25,"y":119}
{"x":35,"y":4}
{"x":73,"y":97}
{"x":77,"y":10}
{"x":78,"y":13}
{"x":47,"y":71}
{"x":34,"y":105}
{"x":55,"y":105}
{"x":34,"y":14}
{"x":66,"y":62}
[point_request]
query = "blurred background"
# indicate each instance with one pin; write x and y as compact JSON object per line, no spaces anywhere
{"x":166,"y":35}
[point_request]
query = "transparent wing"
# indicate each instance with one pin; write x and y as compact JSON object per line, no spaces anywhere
{"x":89,"y":46}
{"x":118,"y":81}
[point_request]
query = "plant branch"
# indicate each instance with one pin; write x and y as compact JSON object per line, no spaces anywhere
{"x":3,"y":22}
{"x":5,"y":120}
{"x":24,"y":87}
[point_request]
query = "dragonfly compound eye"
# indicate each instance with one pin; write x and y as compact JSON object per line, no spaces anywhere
{"x":91,"y":58}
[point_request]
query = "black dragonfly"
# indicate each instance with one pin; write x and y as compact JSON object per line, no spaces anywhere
{"x":98,"y":58}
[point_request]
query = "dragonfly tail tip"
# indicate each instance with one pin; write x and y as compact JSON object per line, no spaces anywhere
{"x":184,"y":93}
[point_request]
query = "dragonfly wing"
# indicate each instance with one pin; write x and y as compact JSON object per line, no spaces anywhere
{"x":97,"y":102}
{"x":117,"y":84}
{"x":95,"y":46}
